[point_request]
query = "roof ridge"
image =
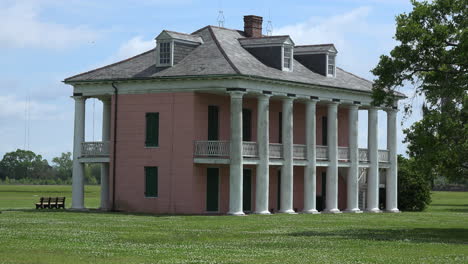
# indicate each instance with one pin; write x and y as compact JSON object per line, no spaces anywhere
{"x":110,"y":65}
{"x":315,"y":45}
{"x":211,"y":26}
{"x":359,"y":77}
{"x":222,"y":50}
{"x":187,"y":34}
{"x":278,"y":36}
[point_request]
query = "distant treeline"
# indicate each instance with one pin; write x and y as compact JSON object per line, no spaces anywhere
{"x":27,"y":167}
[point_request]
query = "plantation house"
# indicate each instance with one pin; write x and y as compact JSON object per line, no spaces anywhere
{"x":228,"y":121}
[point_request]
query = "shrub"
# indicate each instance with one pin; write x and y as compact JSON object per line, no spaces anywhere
{"x":414,"y":190}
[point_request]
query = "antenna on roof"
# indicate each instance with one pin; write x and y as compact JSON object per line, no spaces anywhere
{"x":221,"y":18}
{"x":269,"y":27}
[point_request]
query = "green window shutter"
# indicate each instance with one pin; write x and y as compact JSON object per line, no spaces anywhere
{"x":152,"y":130}
{"x":151,"y":181}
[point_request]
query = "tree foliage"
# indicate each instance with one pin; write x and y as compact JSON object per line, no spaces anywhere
{"x":414,"y":190}
{"x":432,"y":57}
{"x":26,"y":167}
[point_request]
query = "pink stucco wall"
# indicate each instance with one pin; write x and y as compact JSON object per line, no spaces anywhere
{"x":183,"y":119}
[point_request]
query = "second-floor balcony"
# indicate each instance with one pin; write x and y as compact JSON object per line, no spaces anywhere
{"x":221,"y":149}
{"x":95,"y":149}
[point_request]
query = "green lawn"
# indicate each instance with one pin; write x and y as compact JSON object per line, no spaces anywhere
{"x":439,"y":235}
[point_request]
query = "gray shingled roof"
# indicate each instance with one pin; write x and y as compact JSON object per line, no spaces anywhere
{"x":184,"y":36}
{"x":270,"y":40}
{"x":315,"y":48}
{"x":220,"y":54}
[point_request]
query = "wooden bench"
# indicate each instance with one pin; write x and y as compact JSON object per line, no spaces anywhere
{"x":51,"y":202}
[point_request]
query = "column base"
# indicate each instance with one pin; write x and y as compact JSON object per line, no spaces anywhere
{"x":353,"y":211}
{"x":373,"y":210}
{"x":236,"y":213}
{"x":310,"y":211}
{"x":288,"y":211}
{"x":266,"y":212}
{"x":394,"y":210}
{"x":331,"y":211}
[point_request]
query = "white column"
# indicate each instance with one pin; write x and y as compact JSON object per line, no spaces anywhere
{"x":373,"y":175}
{"x":286,"y":203}
{"x":106,"y":112}
{"x":392,"y":172}
{"x":310,"y":172}
{"x":263,"y":140}
{"x":78,"y":167}
{"x":235,"y":168}
{"x":352,"y":204}
{"x":331,"y":200}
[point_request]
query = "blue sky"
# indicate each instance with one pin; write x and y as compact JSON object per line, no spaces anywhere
{"x":44,"y":41}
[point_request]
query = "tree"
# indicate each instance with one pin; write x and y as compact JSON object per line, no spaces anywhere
{"x":432,"y":57}
{"x":24,"y":164}
{"x":63,"y":167}
{"x":414,"y":190}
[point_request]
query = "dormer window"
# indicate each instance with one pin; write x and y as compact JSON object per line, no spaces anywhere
{"x":331,"y":65}
{"x":319,"y":58}
{"x":172,"y":47}
{"x":287,"y":58}
{"x":273,"y":51}
{"x":165,"y":53}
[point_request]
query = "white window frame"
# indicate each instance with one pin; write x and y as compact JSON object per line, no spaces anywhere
{"x":171,"y":56}
{"x":291,"y":59}
{"x":328,"y":64}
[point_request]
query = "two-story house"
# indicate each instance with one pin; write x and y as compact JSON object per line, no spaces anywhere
{"x":230,"y":121}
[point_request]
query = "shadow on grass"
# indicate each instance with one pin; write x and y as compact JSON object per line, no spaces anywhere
{"x":98,"y":211}
{"x":416,"y":235}
{"x":450,"y":205}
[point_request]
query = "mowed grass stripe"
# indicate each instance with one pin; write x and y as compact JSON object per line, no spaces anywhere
{"x":439,"y":235}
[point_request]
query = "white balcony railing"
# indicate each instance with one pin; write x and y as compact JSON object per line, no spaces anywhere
{"x":343,"y":153}
{"x":211,"y":148}
{"x":363,"y":155}
{"x":322,"y":153}
{"x":276,"y":151}
{"x":249,"y":149}
{"x":383,"y":156}
{"x":95,"y":149}
{"x":299,"y":152}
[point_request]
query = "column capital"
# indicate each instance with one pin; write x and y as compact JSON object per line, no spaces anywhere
{"x":236,"y":94}
{"x":104,"y":99}
{"x":79,"y":98}
{"x":264,"y":96}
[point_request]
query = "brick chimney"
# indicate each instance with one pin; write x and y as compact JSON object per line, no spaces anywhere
{"x":253,"y":26}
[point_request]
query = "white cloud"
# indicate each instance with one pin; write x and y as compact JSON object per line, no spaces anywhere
{"x":134,"y":46}
{"x":11,"y":107}
{"x":22,"y":27}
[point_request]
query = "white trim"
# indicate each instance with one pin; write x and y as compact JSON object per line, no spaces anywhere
{"x":291,"y":59}
{"x":171,"y":59}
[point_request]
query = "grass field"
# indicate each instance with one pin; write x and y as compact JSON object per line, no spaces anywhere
{"x":439,"y":235}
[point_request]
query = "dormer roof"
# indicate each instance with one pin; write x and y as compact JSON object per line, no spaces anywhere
{"x":166,"y":35}
{"x":266,"y":41}
{"x":315,"y":49}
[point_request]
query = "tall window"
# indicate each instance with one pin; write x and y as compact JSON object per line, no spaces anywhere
{"x":213,"y":122}
{"x":324,"y":131}
{"x":164,"y":53}
{"x":246,"y":124}
{"x":287,"y":57}
{"x":331,"y":64}
{"x":151,"y":181}
{"x":152,"y":130}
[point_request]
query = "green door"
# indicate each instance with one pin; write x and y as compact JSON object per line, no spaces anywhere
{"x":247,"y":191}
{"x":212,"y":189}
